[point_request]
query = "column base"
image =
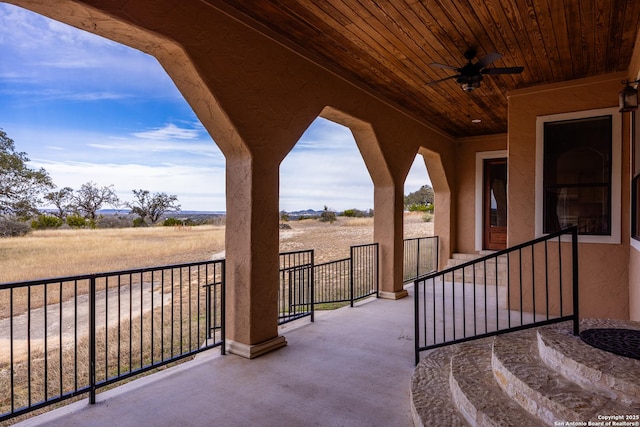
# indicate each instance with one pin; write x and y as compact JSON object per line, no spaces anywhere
{"x":252,"y":351}
{"x":393,"y":295}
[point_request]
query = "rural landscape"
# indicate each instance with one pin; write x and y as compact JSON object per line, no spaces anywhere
{"x":134,"y":285}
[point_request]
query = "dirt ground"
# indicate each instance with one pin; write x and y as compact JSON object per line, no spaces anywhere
{"x":332,"y":241}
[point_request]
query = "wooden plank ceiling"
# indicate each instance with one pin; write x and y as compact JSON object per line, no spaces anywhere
{"x":388,"y":46}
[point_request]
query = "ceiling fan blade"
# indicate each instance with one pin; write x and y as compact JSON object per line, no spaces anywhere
{"x":441,"y":80}
{"x":487,"y":60}
{"x":445,"y":66}
{"x":503,"y":70}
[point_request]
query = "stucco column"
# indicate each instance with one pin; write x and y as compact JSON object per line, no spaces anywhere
{"x":388,"y":232}
{"x":252,"y":256}
{"x":441,"y":168}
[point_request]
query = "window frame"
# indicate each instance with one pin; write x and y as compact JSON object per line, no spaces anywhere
{"x":616,"y":167}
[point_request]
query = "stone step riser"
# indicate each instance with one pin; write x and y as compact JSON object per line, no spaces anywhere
{"x":538,"y":377}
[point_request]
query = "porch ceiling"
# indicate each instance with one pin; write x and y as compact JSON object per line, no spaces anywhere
{"x":387,"y":46}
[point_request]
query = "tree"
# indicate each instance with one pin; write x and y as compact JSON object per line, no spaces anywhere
{"x":62,"y":200}
{"x":423,"y":197}
{"x":153,"y":206}
{"x":20,"y":186}
{"x":328,"y":216}
{"x":90,"y":198}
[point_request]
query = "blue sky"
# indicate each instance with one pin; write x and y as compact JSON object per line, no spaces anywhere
{"x":89,"y":109}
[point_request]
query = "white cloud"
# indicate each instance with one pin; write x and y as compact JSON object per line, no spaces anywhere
{"x":168,"y":132}
{"x":196,"y":188}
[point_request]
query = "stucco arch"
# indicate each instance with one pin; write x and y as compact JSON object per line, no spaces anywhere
{"x":256,"y":97}
{"x":441,"y":169}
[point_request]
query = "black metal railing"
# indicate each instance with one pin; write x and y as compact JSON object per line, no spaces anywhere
{"x":304,"y":285}
{"x":364,"y":272}
{"x":420,"y":257}
{"x":70,"y":336}
{"x":296,"y":293}
{"x":528,"y":285}
{"x":333,"y":282}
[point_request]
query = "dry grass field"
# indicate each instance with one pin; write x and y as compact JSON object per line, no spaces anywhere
{"x":57,"y":253}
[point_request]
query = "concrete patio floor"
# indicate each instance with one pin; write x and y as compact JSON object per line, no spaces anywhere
{"x":351,"y":367}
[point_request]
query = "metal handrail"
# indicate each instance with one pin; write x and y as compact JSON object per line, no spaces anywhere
{"x":438,"y":309}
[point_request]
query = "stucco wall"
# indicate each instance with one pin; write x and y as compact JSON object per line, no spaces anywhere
{"x":466,"y":186}
{"x":604,"y":268}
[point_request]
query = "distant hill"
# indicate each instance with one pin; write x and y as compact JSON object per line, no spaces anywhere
{"x":181,"y":213}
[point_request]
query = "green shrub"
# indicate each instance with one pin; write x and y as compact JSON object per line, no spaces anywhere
{"x":139,"y":222}
{"x":417,"y":208}
{"x":45,"y":221}
{"x":427,"y":217}
{"x":78,"y":221}
{"x":356,"y":213}
{"x":172,"y":222}
{"x":328,"y":216}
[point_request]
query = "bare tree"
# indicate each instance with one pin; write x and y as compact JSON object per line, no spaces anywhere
{"x":153,"y":206}
{"x":90,"y":198}
{"x":62,"y":200}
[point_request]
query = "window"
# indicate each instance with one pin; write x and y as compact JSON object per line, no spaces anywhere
{"x":578,"y":174}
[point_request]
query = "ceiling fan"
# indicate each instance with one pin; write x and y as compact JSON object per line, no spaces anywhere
{"x":470,"y":75}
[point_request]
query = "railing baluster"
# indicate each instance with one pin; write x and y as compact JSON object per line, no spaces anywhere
{"x":497,"y":297}
{"x":533,"y":282}
{"x":486,"y":314}
{"x":546,"y":278}
{"x":29,"y":376}
{"x":11,"y":352}
{"x":46,"y":339}
{"x":92,"y":340}
{"x":492,"y":262}
{"x":560,"y":273}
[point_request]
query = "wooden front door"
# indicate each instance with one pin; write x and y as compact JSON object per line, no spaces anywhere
{"x":495,"y":204}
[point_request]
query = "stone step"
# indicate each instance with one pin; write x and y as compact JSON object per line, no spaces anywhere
{"x":613,"y":376}
{"x":530,"y":378}
{"x":540,"y":390}
{"x":430,"y":391}
{"x":476,"y":394}
{"x":471,"y":257}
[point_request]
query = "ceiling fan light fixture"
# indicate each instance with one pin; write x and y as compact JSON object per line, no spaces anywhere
{"x":469,"y":86}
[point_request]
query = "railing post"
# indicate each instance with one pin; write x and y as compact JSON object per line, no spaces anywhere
{"x":92,"y":340}
{"x":351,"y":274}
{"x":437,"y":260}
{"x":416,"y":319}
{"x":313,"y":287}
{"x":223,"y":303}
{"x":377,"y":272}
{"x":576,"y":300}
{"x":418,"y":259}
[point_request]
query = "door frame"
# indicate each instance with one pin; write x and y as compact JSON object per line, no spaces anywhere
{"x":481,"y":156}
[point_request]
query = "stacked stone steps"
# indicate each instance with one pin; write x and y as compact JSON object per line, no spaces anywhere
{"x":528,"y":378}
{"x":477,"y":396}
{"x":481,"y":272}
{"x":542,"y":391}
